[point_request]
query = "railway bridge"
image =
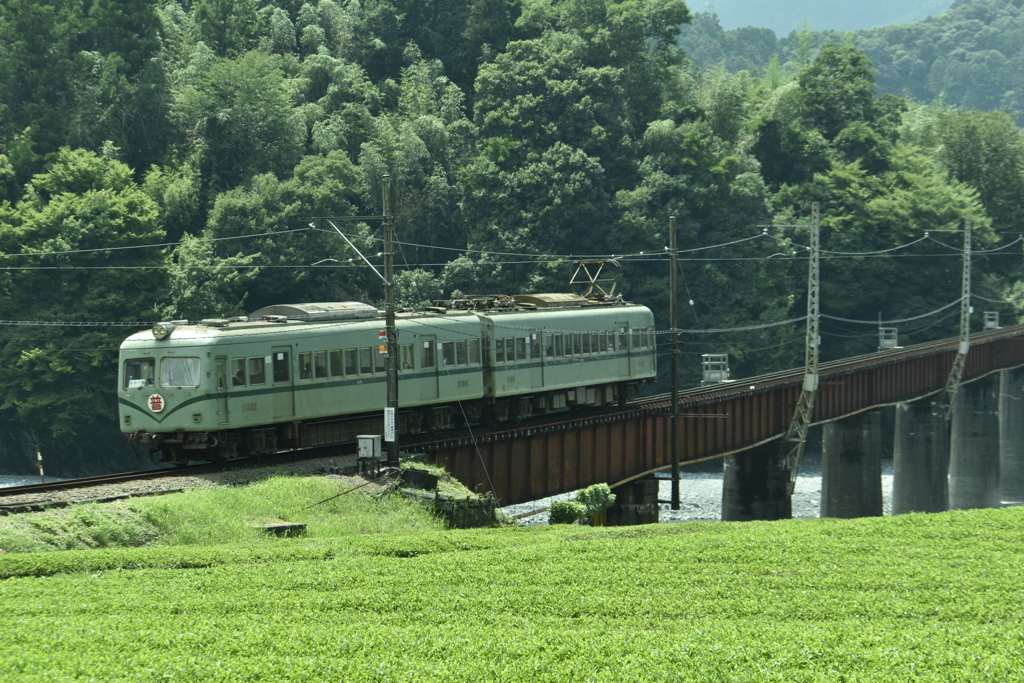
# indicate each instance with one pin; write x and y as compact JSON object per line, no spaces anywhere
{"x":743,"y":422}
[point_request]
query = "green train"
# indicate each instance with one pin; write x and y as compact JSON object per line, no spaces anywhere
{"x":292,"y":376}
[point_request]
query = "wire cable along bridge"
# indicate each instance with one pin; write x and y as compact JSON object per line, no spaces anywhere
{"x":746,"y":420}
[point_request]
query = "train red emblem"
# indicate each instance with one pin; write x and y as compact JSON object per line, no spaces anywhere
{"x":156,"y":403}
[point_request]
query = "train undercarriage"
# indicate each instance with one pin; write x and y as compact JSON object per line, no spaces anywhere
{"x":180,"y":447}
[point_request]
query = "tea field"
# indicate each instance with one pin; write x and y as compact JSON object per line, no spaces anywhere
{"x":917,"y":597}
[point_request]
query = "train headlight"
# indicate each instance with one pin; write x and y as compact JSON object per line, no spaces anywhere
{"x":163,"y":330}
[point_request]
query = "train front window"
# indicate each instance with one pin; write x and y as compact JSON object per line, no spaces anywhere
{"x":179,"y":373}
{"x":139,"y":373}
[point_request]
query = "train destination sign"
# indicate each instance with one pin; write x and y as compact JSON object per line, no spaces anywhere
{"x":156,"y":403}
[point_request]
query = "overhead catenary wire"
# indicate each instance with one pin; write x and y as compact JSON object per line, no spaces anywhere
{"x":152,"y":246}
{"x":899,"y":320}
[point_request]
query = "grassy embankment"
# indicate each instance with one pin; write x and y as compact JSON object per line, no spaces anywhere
{"x":916,"y":597}
{"x":217,"y":516}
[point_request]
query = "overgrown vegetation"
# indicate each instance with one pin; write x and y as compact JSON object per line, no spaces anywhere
{"x":936,"y":597}
{"x":588,"y":502}
{"x":217,"y":516}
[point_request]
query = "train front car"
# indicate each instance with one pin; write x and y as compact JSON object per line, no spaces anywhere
{"x":167,"y":396}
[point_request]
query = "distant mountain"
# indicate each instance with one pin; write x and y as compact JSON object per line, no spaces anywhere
{"x":783,"y":16}
{"x":972,"y":54}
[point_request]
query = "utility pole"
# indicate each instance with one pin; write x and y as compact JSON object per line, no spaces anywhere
{"x":391,"y":331}
{"x":957,"y":371}
{"x":796,"y":435}
{"x":674,"y":322}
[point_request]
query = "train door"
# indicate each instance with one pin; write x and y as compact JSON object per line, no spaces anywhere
{"x":284,"y":396}
{"x":622,"y":347}
{"x":222,"y":389}
{"x":428,"y":364}
{"x":536,"y":360}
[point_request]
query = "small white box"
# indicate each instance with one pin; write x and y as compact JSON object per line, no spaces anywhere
{"x":369,"y":446}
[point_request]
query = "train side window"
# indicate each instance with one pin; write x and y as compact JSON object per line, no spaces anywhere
{"x":306,"y":365}
{"x":520,"y":348}
{"x":595,"y":346}
{"x":257,"y":371}
{"x":549,"y":345}
{"x":282,"y":370}
{"x":534,"y":345}
{"x":139,"y":373}
{"x":238,"y":372}
{"x":447,"y":353}
{"x":407,"y":357}
{"x":499,"y":350}
{"x":461,"y":352}
{"x":653,"y":338}
{"x":427,"y":355}
{"x":474,"y":352}
{"x":636,"y":339}
{"x":623,"y":341}
{"x":577,"y":343}
{"x":602,"y":341}
{"x":559,"y":344}
{"x":337,"y":364}
{"x":320,"y":365}
{"x":379,"y":361}
{"x":351,"y":362}
{"x":586,"y":342}
{"x":365,"y":361}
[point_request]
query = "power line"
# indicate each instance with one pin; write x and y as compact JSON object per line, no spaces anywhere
{"x":151,"y":246}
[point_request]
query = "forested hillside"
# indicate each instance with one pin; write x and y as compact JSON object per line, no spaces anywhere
{"x":783,"y":16}
{"x":972,"y":55}
{"x":158,"y":161}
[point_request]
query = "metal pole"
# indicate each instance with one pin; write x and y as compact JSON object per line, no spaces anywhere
{"x":391,"y":360}
{"x":675,"y":360}
{"x":957,"y":371}
{"x":796,"y":436}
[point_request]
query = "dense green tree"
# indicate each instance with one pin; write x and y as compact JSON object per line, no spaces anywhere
{"x":986,"y":151}
{"x":242,"y":112}
{"x":61,"y":377}
{"x":319,"y":186}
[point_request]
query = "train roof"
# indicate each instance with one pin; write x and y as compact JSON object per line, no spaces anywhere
{"x":287,"y":319}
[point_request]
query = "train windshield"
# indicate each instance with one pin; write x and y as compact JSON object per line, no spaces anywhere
{"x":179,"y":373}
{"x":139,"y":373}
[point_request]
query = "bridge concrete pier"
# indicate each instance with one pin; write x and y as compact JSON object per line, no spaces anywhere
{"x":1011,"y":435}
{"x":920,"y":481}
{"x":974,"y":446}
{"x":851,"y":467}
{"x":754,"y":485}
